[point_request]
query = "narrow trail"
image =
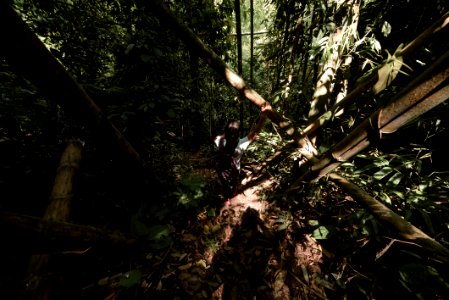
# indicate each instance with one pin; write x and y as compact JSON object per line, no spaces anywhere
{"x":241,"y":252}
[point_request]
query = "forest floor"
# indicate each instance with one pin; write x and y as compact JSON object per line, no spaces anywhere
{"x":241,"y":252}
{"x":260,"y":246}
{"x":318,"y":243}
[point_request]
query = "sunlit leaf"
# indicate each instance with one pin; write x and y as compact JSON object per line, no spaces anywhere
{"x":320,"y":233}
{"x":382,"y":173}
{"x":158,"y":231}
{"x":386,"y":198}
{"x":387,"y":73}
{"x":313,"y":222}
{"x":395,"y":179}
{"x":377,"y":46}
{"x":386,"y":28}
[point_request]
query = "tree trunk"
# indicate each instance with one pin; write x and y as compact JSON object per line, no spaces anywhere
{"x":347,"y":60}
{"x":251,"y":46}
{"x":65,"y":181}
{"x":251,"y":54}
{"x":238,"y":28}
{"x":339,"y":41}
{"x":31,"y":235}
{"x":39,"y":235}
{"x":323,"y":89}
{"x":57,"y":210}
{"x":390,"y":218}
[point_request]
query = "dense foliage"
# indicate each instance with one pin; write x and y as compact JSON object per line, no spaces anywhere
{"x":168,"y":103}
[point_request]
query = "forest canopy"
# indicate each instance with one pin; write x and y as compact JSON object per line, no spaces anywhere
{"x":108,"y":111}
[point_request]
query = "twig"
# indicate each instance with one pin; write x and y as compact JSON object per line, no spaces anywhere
{"x":306,"y":286}
{"x":383,"y":251}
{"x":358,"y":273}
{"x":165,"y":256}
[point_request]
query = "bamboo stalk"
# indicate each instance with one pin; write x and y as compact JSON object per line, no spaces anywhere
{"x":404,"y":228}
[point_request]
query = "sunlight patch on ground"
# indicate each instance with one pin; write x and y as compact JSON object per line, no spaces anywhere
{"x":250,"y":197}
{"x":229,"y":242}
{"x":232,"y":214}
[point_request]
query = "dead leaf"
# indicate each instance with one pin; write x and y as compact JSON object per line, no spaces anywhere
{"x":189,"y":237}
{"x":185,"y":267}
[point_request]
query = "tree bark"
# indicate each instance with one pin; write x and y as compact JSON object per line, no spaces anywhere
{"x":251,"y":46}
{"x":347,"y":59}
{"x":339,"y":41}
{"x":324,"y":86}
{"x":65,"y":182}
{"x":57,"y":210}
{"x":390,"y":218}
{"x":238,"y":29}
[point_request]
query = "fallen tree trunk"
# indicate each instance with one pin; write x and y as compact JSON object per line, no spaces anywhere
{"x":24,"y":235}
{"x":56,"y":235}
{"x":395,"y":221}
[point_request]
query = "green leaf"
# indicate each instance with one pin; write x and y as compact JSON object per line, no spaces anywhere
{"x":379,"y":175}
{"x":427,"y":220}
{"x":132,"y":278}
{"x":385,"y":198}
{"x":313,"y":222}
{"x":320,"y":233}
{"x":159,"y":235}
{"x":395,"y":179}
{"x":157,"y":52}
{"x":162,"y":243}
{"x":138,"y":227}
{"x":158,"y":231}
{"x":171,"y":113}
{"x":145,"y":58}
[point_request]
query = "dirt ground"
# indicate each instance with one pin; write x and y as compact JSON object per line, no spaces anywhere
{"x":244,"y":251}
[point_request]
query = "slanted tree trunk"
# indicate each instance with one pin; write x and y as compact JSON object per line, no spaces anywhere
{"x":65,"y":182}
{"x":324,"y":87}
{"x":424,"y":93}
{"x":379,"y":78}
{"x":334,"y":59}
{"x":347,"y":59}
{"x":390,"y":218}
{"x":195,"y":44}
{"x":57,"y":210}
